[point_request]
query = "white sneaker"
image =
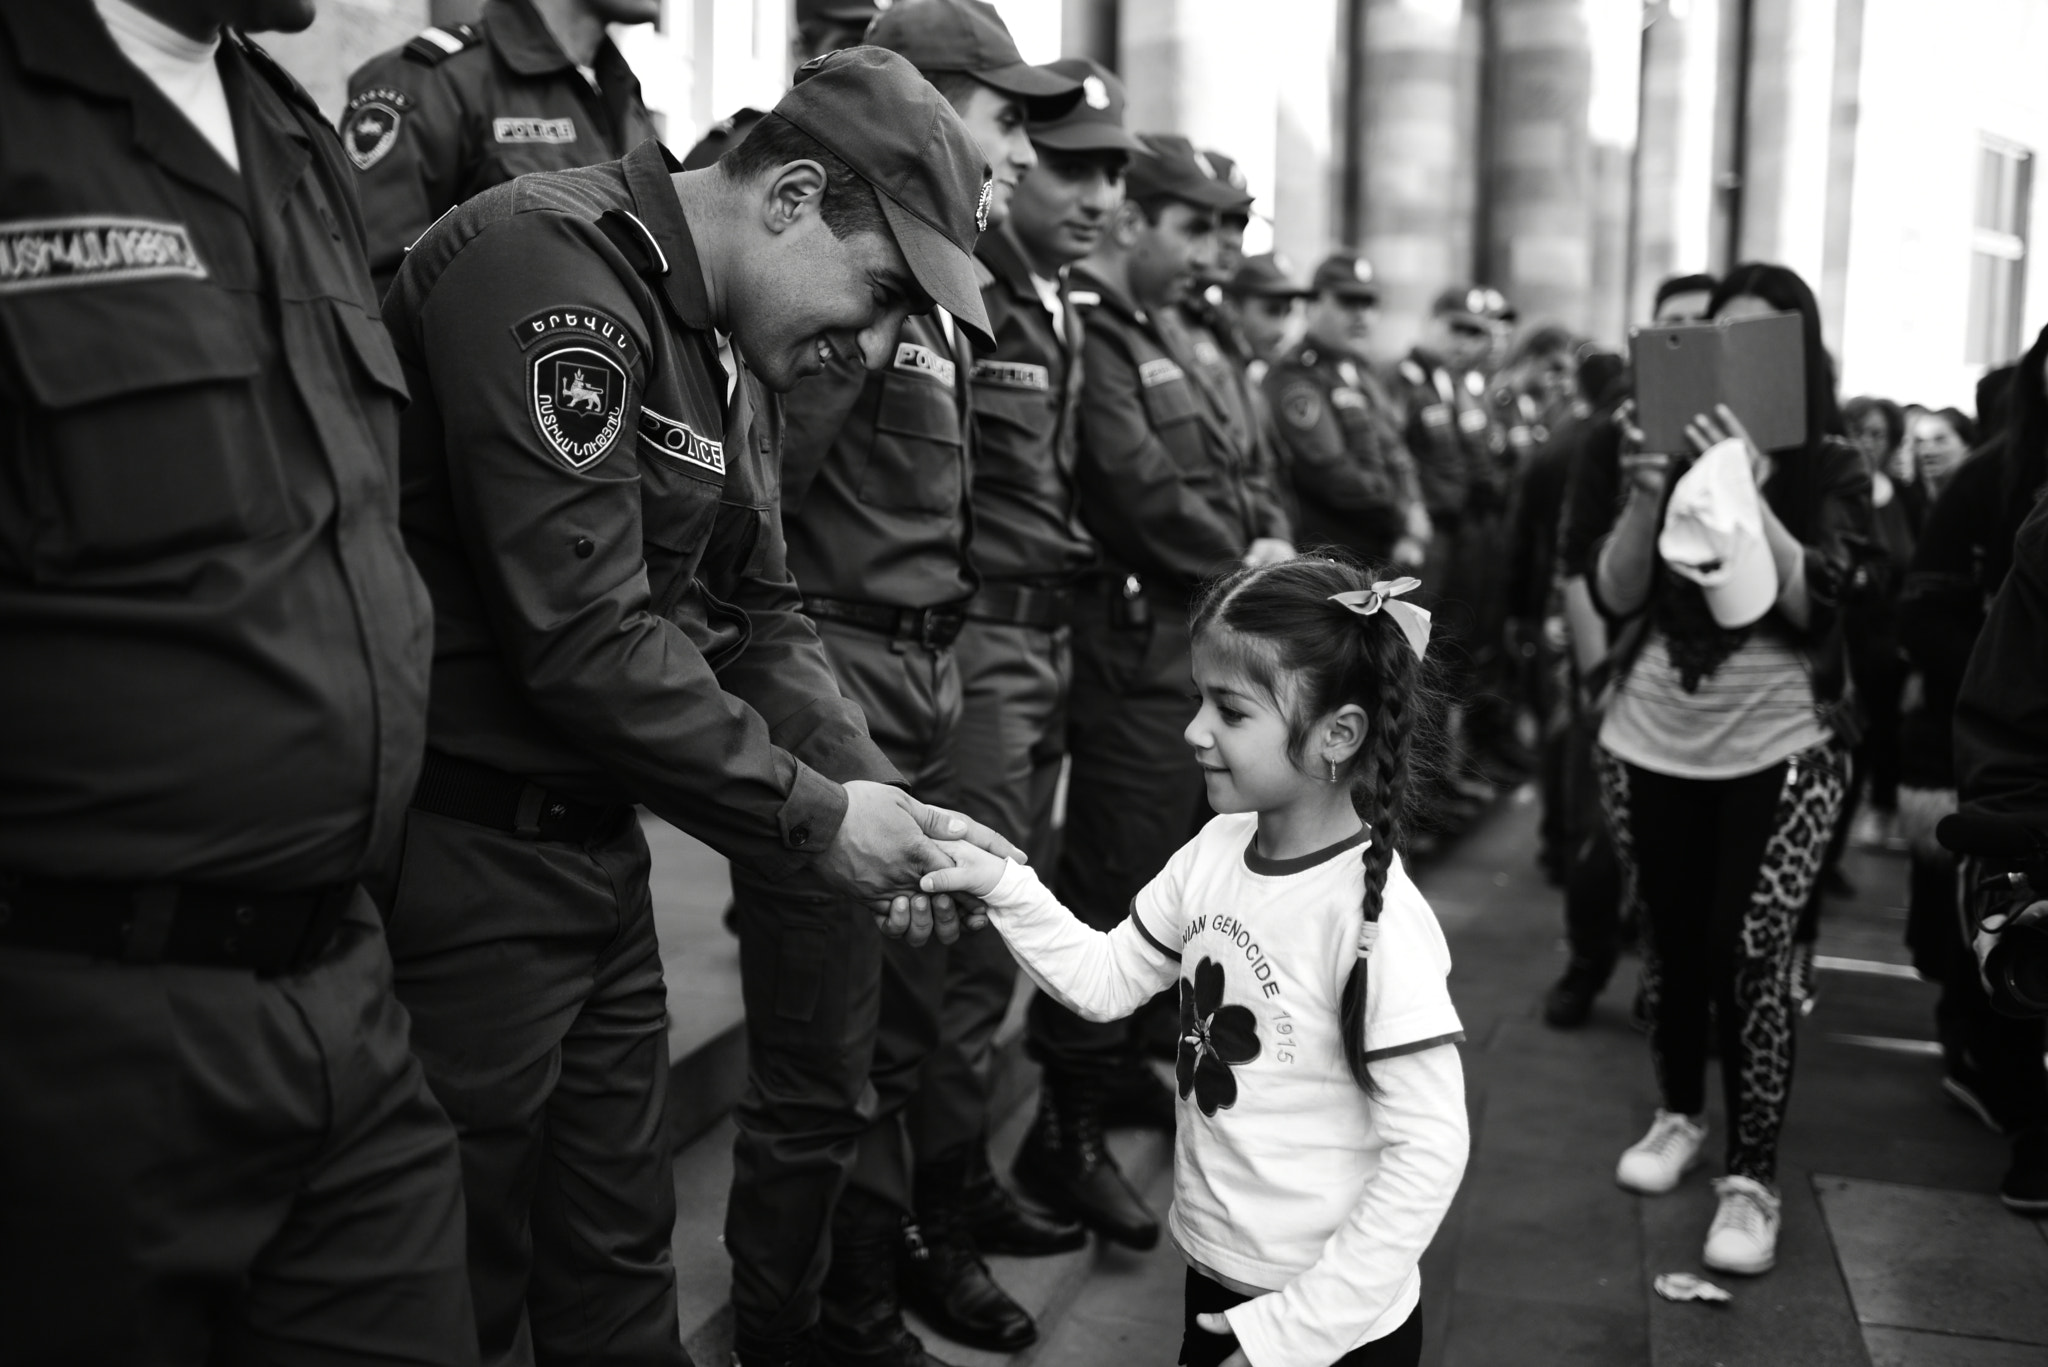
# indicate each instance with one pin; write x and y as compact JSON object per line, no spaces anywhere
{"x":1744,"y":1236}
{"x":1654,"y":1164}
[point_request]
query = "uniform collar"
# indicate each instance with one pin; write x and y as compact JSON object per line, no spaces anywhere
{"x":648,"y":168}
{"x":1004,"y":257}
{"x":519,"y":36}
{"x":1083,"y":278}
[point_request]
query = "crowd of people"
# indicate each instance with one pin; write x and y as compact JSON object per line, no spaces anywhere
{"x":396,"y":512}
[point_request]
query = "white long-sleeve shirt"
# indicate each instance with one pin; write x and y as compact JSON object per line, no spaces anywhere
{"x":1290,"y":1184}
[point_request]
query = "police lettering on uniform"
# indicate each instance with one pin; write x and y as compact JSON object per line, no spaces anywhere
{"x":1172,"y":499}
{"x":591,"y":463}
{"x":216,"y":1143}
{"x":876,"y":471}
{"x":460,"y":109}
{"x":1353,"y":480}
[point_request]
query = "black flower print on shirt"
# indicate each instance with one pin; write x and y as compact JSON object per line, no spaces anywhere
{"x":1214,"y":1038}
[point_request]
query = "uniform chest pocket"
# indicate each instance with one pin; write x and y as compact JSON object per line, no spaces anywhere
{"x":1175,"y":414}
{"x":914,"y":462}
{"x":678,"y":512}
{"x":139,"y":424}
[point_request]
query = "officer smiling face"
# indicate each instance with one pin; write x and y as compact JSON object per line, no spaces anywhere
{"x":1061,"y":209}
{"x":996,"y":122}
{"x":1171,"y":242}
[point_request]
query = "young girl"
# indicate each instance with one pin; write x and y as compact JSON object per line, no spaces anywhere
{"x":1322,"y":1109}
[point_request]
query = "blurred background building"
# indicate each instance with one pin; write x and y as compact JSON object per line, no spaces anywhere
{"x":1572,"y":152}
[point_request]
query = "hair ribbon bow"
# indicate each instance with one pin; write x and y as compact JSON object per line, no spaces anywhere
{"x":1413,"y":621}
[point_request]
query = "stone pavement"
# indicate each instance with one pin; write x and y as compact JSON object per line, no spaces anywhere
{"x":1894,"y":1253}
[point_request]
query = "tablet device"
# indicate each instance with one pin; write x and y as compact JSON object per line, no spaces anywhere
{"x":1757,"y":366}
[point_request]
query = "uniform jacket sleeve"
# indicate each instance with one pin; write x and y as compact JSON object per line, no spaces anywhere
{"x":2001,"y":728}
{"x":1325,"y":472}
{"x":422,"y":176}
{"x":1843,"y":530}
{"x":1135,"y":496}
{"x":578,"y":633}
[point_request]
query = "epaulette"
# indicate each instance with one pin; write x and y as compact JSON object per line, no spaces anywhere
{"x":634,"y":241}
{"x":272,"y":71}
{"x":1083,"y":299}
{"x":437,"y":45}
{"x":1413,"y":373}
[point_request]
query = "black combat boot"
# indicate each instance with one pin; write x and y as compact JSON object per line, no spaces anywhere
{"x":860,"y":1320}
{"x":945,"y":1280}
{"x":1064,"y":1165}
{"x":999,"y":1223}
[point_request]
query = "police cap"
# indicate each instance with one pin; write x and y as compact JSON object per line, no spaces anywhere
{"x":870,"y":108}
{"x":1265,"y":276}
{"x":721,"y":137}
{"x":1167,"y":166}
{"x":1482,"y":303}
{"x":1347,"y":275}
{"x":1229,"y":173}
{"x":969,"y":36}
{"x":838,"y":11}
{"x":1096,"y":121}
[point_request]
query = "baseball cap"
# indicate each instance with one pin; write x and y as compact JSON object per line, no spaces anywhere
{"x":1348,"y":276}
{"x":838,"y":11}
{"x":1227,"y":172}
{"x":1167,"y":166}
{"x":1265,"y":276}
{"x":1714,"y":535}
{"x":870,"y":108}
{"x":1095,"y":123}
{"x":969,"y":36}
{"x":1482,"y":302}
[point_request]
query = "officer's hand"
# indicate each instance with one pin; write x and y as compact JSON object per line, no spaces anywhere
{"x":1217,"y":1324}
{"x":975,"y":871}
{"x":1267,"y":550}
{"x":1410,"y":553}
{"x":884,"y":843}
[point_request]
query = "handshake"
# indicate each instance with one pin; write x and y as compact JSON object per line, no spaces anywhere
{"x":917,"y":867}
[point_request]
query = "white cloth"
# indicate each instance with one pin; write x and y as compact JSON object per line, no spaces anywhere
{"x":728,"y":363}
{"x":1288,"y":1179}
{"x":182,"y":68}
{"x":1049,"y":295}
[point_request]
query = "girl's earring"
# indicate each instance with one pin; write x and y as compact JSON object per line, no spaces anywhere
{"x":1333,"y":767}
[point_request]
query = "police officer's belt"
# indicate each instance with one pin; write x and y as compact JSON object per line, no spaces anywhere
{"x":934,"y":628}
{"x":268,"y":933}
{"x":483,"y":796}
{"x":1022,"y":605}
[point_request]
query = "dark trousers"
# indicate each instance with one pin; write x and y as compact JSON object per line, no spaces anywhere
{"x":1131,"y":792}
{"x":2000,"y":1056}
{"x":198,"y":1165}
{"x":1593,"y":884}
{"x":840,"y":1021}
{"x":1014,"y":682}
{"x":1200,"y":1348}
{"x":1723,"y":868}
{"x":534,"y":981}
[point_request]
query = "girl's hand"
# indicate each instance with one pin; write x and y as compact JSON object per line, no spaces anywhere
{"x":975,"y":871}
{"x":1217,"y":1324}
{"x":1707,"y":430}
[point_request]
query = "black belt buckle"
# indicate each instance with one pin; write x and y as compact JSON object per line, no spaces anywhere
{"x":938,"y":628}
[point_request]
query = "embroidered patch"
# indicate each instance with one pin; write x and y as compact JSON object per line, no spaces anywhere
{"x":1160,"y":371}
{"x":569,"y":318}
{"x":1207,"y":352}
{"x":370,"y":129}
{"x":1472,"y":420}
{"x":578,"y":402}
{"x":680,"y":440}
{"x":1301,"y":406}
{"x":96,"y":249}
{"x":533,"y":130}
{"x":1095,"y":91}
{"x":924,"y":361}
{"x":1013,"y":375}
{"x":1347,"y":398}
{"x":1436,"y":415}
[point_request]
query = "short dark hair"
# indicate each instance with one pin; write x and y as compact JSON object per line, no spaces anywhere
{"x":1893,"y":417}
{"x":850,"y":206}
{"x":1683,"y":284}
{"x":1543,"y":342}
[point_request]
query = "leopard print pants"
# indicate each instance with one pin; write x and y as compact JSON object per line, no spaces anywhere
{"x":1723,"y":868}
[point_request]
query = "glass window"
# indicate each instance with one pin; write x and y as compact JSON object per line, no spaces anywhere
{"x":1998,"y":252}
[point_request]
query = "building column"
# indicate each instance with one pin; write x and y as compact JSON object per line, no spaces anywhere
{"x":1675,"y":180}
{"x":1540,"y":204}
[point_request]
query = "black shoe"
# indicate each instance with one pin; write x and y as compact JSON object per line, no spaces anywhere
{"x":1064,"y":1165}
{"x":860,"y":1319}
{"x":945,"y":1280}
{"x":2025,"y":1188}
{"x":1570,"y":999}
{"x":999,"y":1223}
{"x":1139,"y":1099}
{"x":1970,"y":1090}
{"x":775,"y":1353}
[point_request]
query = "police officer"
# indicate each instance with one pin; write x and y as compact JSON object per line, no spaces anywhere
{"x":1171,"y":501}
{"x":1263,"y":301}
{"x":1353,"y":480}
{"x":1200,"y":328}
{"x":1015,"y":648}
{"x":533,"y":85}
{"x":216,"y":1145}
{"x":824,"y":26}
{"x":591,"y":489}
{"x":875,"y":477}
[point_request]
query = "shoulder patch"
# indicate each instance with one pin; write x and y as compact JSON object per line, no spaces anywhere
{"x":436,"y":45}
{"x":592,"y":323}
{"x":519,"y":128}
{"x":1160,"y":370}
{"x":922,"y":360}
{"x":577,"y":399}
{"x":1412,"y":372}
{"x":1301,"y":405}
{"x":93,"y":249}
{"x":678,"y":440}
{"x":1347,"y":398}
{"x":273,"y":71}
{"x":1012,"y":375}
{"x":369,"y":127}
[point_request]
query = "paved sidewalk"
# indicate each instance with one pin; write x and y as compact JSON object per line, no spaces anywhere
{"x":1895,"y":1252}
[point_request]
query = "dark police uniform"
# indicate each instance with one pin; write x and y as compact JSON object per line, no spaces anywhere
{"x":215,"y":1143}
{"x":596,"y":518}
{"x":1352,"y":477}
{"x":458,"y":110}
{"x":875,"y":480}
